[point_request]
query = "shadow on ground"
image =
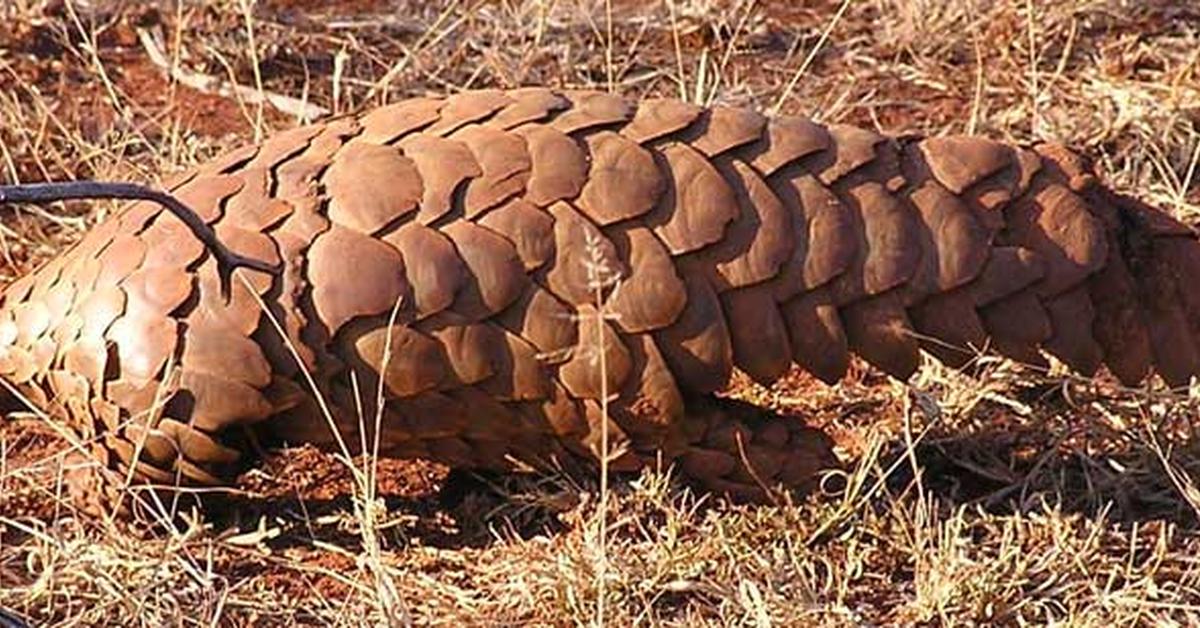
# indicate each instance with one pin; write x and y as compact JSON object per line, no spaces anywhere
{"x":458,"y":509}
{"x":301,"y":496}
{"x":1019,"y":471}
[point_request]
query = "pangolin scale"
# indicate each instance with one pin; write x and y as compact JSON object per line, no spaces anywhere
{"x":493,"y":264}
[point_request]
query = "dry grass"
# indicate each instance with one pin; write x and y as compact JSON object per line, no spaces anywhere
{"x":1011,"y":498}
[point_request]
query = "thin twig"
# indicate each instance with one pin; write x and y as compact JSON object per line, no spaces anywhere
{"x":41,"y":193}
{"x":302,"y":110}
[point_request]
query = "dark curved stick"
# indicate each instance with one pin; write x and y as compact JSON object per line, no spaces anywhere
{"x":11,"y":620}
{"x":227,"y":260}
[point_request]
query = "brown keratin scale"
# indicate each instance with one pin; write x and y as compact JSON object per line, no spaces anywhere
{"x":735,"y":240}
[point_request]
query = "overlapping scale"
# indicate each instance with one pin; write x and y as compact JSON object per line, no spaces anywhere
{"x":481,"y":255}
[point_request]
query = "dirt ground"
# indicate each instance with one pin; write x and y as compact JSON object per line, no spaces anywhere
{"x":1001,"y":497}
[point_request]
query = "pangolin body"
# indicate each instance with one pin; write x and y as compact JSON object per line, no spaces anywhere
{"x":493,"y":264}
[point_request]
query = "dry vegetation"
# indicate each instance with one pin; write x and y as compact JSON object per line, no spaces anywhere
{"x":1010,"y":497}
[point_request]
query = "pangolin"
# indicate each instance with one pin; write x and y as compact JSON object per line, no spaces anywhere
{"x":497,"y":278}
